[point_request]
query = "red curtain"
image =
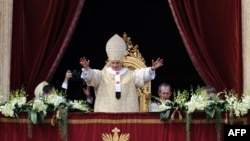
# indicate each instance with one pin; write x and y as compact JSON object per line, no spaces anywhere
{"x":211,"y":32}
{"x":91,"y":126}
{"x":41,"y":32}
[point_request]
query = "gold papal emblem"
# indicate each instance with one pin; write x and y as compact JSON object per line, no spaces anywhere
{"x":115,"y":136}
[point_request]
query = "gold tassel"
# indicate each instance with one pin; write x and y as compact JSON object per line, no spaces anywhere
{"x":231,"y":114}
{"x":226,"y":118}
{"x":58,"y":116}
{"x":179,"y":114}
{"x":53,"y":121}
{"x":55,"y":117}
{"x":173,"y":115}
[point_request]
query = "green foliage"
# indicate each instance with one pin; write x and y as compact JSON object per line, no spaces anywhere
{"x":17,"y":93}
{"x":63,"y":123}
{"x":165,"y":115}
{"x":186,"y":101}
{"x":38,"y":108}
{"x":212,"y":105}
{"x":188,"y":126}
{"x":180,"y":98}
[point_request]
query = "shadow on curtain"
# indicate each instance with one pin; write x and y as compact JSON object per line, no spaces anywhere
{"x":211,"y":32}
{"x":41,"y":32}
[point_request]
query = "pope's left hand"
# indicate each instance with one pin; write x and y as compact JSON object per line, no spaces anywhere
{"x":157,"y":63}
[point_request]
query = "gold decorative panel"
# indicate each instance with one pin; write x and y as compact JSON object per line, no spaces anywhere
{"x":115,"y":136}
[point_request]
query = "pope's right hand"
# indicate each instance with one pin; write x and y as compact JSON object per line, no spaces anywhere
{"x":84,"y":62}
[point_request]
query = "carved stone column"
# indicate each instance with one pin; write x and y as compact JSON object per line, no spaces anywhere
{"x":246,"y":42}
{"x":6,"y":10}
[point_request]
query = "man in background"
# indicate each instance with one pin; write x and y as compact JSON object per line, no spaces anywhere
{"x":164,"y":93}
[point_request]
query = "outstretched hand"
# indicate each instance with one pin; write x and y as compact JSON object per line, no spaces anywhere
{"x":157,"y":63}
{"x":84,"y":62}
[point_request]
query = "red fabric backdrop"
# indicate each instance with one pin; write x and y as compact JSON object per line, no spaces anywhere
{"x":41,"y":32}
{"x":91,"y":126}
{"x":211,"y":32}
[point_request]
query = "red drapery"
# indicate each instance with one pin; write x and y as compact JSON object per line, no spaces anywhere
{"x":211,"y":32}
{"x":91,"y":126}
{"x":41,"y":32}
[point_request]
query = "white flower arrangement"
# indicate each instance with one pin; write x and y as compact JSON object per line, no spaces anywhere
{"x":181,"y":98}
{"x":39,"y":106}
{"x":55,"y":99}
{"x":7,"y":109}
{"x":79,"y":105}
{"x":200,"y":102}
{"x":197,"y":102}
{"x":163,"y":105}
{"x":240,"y":107}
{"x":246,"y":100}
{"x":15,"y":104}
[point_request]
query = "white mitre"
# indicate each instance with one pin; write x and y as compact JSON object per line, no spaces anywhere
{"x":115,"y":48}
{"x":39,"y":89}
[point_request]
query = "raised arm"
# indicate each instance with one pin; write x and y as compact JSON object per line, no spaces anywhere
{"x":157,"y":63}
{"x":84,"y":62}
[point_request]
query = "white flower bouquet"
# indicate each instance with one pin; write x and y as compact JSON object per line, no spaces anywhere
{"x":79,"y":105}
{"x":237,"y":106}
{"x":14,"y":106}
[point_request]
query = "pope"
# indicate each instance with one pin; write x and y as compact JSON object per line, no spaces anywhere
{"x":116,"y":86}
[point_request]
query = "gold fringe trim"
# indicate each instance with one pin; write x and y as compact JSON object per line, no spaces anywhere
{"x":123,"y":121}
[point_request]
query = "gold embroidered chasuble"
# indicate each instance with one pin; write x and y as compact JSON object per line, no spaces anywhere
{"x":104,"y":84}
